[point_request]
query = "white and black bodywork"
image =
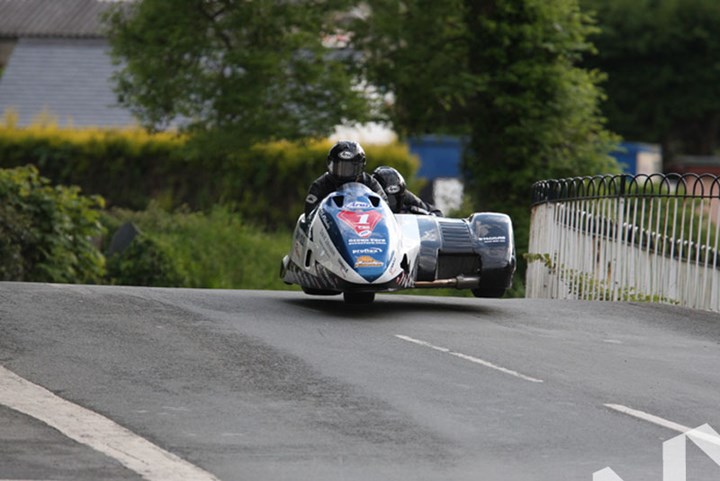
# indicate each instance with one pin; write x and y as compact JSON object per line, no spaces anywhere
{"x":352,"y":243}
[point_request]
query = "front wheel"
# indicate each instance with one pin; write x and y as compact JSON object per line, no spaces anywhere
{"x":489,"y":293}
{"x":319,"y":292}
{"x":359,"y":297}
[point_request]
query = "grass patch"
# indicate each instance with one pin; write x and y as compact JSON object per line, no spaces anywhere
{"x":213,"y":250}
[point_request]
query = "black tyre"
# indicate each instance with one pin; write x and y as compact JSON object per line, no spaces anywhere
{"x":489,"y":293}
{"x":359,"y":297}
{"x":319,"y":292}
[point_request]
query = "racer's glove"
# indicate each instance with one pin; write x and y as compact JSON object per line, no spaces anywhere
{"x":418,"y":210}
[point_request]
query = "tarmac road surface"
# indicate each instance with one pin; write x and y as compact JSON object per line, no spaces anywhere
{"x":122,"y":383}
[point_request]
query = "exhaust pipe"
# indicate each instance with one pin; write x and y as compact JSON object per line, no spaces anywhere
{"x":459,"y":282}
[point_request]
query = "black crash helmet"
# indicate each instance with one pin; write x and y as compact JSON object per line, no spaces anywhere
{"x":393,"y":184}
{"x":346,"y":160}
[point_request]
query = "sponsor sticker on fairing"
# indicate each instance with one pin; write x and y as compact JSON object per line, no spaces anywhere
{"x":324,"y":218}
{"x":300,"y":238}
{"x":324,"y":242}
{"x":367,"y":261}
{"x":367,"y":241}
{"x":367,"y":250}
{"x":358,"y":204}
{"x":392,"y":262}
{"x":342,"y":266}
{"x":500,"y":239}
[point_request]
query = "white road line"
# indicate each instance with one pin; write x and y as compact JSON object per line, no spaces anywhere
{"x":648,"y":417}
{"x":476,"y":360}
{"x":657,"y":420}
{"x":98,"y":432}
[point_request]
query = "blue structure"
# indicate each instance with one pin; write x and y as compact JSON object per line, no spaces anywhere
{"x":439,"y":155}
{"x":639,"y":158}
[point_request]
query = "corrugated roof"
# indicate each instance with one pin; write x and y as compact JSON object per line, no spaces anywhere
{"x":52,"y":18}
{"x":68,"y":78}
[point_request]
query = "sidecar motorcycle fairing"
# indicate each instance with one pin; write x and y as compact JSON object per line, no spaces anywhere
{"x":353,"y":244}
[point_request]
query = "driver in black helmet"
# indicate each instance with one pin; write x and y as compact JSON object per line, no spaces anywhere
{"x":345,"y":163}
{"x":401,"y":200}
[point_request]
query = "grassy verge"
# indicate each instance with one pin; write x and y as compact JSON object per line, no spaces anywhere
{"x":213,"y":250}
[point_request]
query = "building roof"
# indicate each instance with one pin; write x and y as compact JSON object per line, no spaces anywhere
{"x":695,"y":164}
{"x":53,"y":18}
{"x":67,"y":78}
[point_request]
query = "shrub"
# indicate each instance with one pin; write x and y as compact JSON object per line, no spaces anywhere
{"x":46,"y":231}
{"x":145,"y":262}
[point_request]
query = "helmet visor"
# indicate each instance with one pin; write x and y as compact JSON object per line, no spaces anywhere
{"x":346,"y":169}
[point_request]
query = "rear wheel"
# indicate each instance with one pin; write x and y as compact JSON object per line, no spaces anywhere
{"x":489,"y":293}
{"x":359,"y":297}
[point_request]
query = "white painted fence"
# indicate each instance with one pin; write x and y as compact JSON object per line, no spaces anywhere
{"x":624,"y":238}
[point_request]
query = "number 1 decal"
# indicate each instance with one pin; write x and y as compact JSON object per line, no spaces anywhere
{"x":363,"y":224}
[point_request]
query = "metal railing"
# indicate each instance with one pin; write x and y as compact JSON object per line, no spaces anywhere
{"x":627,"y":238}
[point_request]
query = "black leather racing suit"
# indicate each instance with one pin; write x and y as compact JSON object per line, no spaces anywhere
{"x":412,"y":204}
{"x":326,"y":184}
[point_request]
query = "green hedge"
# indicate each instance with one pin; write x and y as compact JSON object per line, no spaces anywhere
{"x":126,"y":167}
{"x":129,"y":168}
{"x":268,"y":183}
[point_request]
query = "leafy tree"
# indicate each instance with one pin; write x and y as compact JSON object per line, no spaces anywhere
{"x":417,"y":52}
{"x":245,"y":71}
{"x":503,"y":72}
{"x":535,"y":112}
{"x":662,"y":59}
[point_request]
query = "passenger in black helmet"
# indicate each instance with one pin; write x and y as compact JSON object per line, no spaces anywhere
{"x":345,"y":163}
{"x":401,"y":200}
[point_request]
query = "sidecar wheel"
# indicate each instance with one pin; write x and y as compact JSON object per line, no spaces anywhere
{"x":359,"y":297}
